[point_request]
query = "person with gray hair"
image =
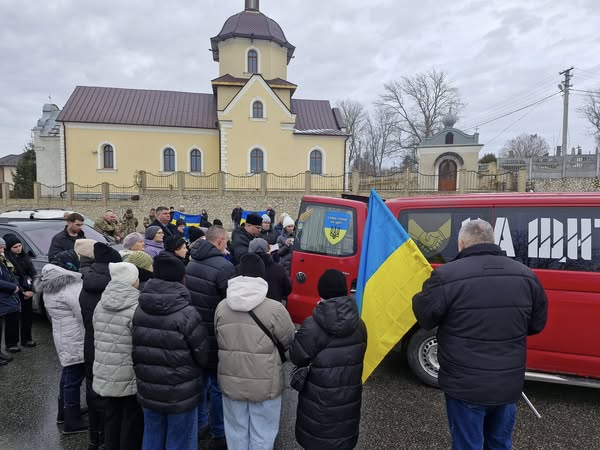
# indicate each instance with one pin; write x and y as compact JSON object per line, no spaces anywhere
{"x":133,"y":242}
{"x":484,"y":306}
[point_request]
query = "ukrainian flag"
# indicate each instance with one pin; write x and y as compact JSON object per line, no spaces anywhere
{"x":392,"y":270}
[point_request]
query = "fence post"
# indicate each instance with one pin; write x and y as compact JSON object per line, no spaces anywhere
{"x":143,"y":181}
{"x":307,"y":182}
{"x":221,"y":183}
{"x":37,"y":192}
{"x":407,"y":182}
{"x":597,"y":164}
{"x":522,"y":181}
{"x":70,"y":192}
{"x":105,"y":192}
{"x":462,"y":184}
{"x":264,"y":180}
{"x":5,"y":192}
{"x":564,"y":163}
{"x":355,"y":181}
{"x":180,"y":182}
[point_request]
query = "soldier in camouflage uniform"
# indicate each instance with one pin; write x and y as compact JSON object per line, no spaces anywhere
{"x":129,"y":223}
{"x":148,"y":220}
{"x":109,"y":225}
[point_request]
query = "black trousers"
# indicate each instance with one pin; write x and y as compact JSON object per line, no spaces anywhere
{"x":11,"y":329}
{"x":123,"y":423}
{"x":26,"y":319}
{"x":95,"y":405}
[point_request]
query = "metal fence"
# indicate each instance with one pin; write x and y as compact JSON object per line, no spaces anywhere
{"x":53,"y":191}
{"x":123,"y":192}
{"x":286,"y":183}
{"x":243,"y":182}
{"x":87,"y":192}
{"x":546,"y":167}
{"x":161,"y":182}
{"x":327,"y":183}
{"x":199,"y":182}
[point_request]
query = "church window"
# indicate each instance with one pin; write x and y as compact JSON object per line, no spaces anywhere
{"x":256,"y":161}
{"x":316,"y":162}
{"x":195,"y":161}
{"x":168,"y":160}
{"x":252,"y":61}
{"x":108,"y":157}
{"x":257,"y":110}
{"x":449,"y":138}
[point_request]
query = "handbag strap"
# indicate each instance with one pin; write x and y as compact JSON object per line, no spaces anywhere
{"x":268,"y":333}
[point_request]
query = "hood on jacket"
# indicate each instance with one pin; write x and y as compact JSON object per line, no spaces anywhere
{"x":337,"y":316}
{"x":202,"y":249}
{"x":119,"y":296}
{"x":97,"y":278}
{"x":54,"y":279}
{"x":151,"y":243}
{"x":160,"y":297}
{"x":246,"y":293}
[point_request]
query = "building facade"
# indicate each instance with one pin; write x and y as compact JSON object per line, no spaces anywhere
{"x":250,"y":123}
{"x":47,"y":144}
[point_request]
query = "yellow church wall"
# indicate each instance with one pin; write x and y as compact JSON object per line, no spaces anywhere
{"x":285,"y":95}
{"x":225,"y":94}
{"x":272,"y":59}
{"x":135,"y":148}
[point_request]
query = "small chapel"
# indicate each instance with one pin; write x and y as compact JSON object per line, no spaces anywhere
{"x":250,"y":123}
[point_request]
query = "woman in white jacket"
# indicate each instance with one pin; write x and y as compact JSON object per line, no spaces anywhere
{"x":61,"y":284}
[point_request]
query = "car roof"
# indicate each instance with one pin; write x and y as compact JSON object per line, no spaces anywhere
{"x":29,"y":224}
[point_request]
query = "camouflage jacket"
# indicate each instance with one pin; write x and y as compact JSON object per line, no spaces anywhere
{"x":106,"y":227}
{"x":128,"y":225}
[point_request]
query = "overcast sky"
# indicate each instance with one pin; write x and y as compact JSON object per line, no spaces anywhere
{"x":501,"y":54}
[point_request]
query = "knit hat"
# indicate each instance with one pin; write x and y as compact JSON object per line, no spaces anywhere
{"x":85,"y":248}
{"x":131,"y":239}
{"x":180,"y":222}
{"x":11,"y":239}
{"x":266,"y":218}
{"x":123,"y":272}
{"x":66,"y":259}
{"x":172,"y":243}
{"x":217,"y":222}
{"x":258,"y":246}
{"x":151,"y":232}
{"x":105,"y":254}
{"x":139,"y":259}
{"x":332,"y":284}
{"x":252,"y":265}
{"x":195,"y":233}
{"x":287,"y":221}
{"x":254,"y":219}
{"x":168,"y":267}
{"x":2,"y":242}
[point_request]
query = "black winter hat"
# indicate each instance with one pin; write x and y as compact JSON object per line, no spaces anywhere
{"x":254,"y":219}
{"x":106,"y":254}
{"x":168,"y":267}
{"x":11,"y":239}
{"x":332,"y":284}
{"x":195,"y":233}
{"x":252,"y":265}
{"x":172,"y":243}
{"x":66,"y":259}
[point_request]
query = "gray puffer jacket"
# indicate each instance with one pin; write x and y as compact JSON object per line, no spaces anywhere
{"x":61,"y":289}
{"x":250,"y":367}
{"x":113,"y":324}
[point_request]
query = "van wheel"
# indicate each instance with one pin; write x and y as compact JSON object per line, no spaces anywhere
{"x":422,"y":356}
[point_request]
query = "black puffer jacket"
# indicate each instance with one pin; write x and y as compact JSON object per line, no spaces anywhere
{"x":240,"y":240}
{"x":206,"y":277}
{"x":279,"y":282}
{"x":169,"y":348}
{"x":333,"y":340}
{"x":94,"y":283}
{"x":484,"y":305}
{"x":63,"y":241}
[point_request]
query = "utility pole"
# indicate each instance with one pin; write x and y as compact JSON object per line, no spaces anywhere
{"x":565,"y":88}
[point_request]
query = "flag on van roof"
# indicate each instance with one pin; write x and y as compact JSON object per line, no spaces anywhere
{"x":392,"y":270}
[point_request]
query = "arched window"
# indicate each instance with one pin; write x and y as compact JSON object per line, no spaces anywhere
{"x":257,"y":110}
{"x":252,"y":61}
{"x":256,"y":161}
{"x":449,"y":138}
{"x":108,"y":157}
{"x":316,"y":162}
{"x":168,"y":160}
{"x":195,"y":161}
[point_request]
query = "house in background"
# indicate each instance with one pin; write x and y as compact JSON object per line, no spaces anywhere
{"x":250,"y":123}
{"x":8,"y":164}
{"x":47,"y":143}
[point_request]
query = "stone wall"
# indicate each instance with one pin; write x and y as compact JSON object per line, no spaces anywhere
{"x":566,"y":185}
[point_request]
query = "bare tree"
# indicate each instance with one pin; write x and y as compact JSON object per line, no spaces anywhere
{"x":591,"y":112}
{"x":418,"y":104}
{"x":525,"y":146}
{"x":380,"y":137}
{"x":354,"y":115}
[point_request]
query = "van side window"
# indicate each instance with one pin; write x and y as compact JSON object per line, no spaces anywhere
{"x":560,"y":238}
{"x":435,"y":231}
{"x":326,"y":230}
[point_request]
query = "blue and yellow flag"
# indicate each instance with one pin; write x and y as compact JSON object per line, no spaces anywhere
{"x":392,"y":270}
{"x":245,"y":215}
{"x":190,"y":220}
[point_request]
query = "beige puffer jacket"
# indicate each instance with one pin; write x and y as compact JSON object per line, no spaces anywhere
{"x":250,"y":367}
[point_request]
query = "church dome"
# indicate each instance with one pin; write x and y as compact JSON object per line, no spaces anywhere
{"x":251,"y":24}
{"x":450,"y":119}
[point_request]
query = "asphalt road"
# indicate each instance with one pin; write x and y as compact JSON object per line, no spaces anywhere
{"x":398,"y":412}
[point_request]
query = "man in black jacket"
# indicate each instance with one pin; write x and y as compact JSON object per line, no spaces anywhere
{"x":240,"y":238}
{"x":65,"y":240}
{"x":163,"y":220}
{"x":484,"y":305}
{"x":276,"y":276}
{"x":207,"y":275}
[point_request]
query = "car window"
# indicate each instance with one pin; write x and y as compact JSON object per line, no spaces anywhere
{"x":42,"y":237}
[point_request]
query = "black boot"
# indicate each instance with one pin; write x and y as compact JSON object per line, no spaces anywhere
{"x":96,"y":440}
{"x":74,"y":423}
{"x":60,"y":416}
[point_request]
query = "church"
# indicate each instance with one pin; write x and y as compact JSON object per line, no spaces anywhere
{"x":250,"y":123}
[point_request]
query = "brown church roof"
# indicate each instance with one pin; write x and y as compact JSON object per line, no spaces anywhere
{"x":274,"y":83}
{"x":140,"y":107}
{"x":316,"y":117}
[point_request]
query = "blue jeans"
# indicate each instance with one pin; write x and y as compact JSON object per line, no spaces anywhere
{"x":250,"y":425}
{"x":170,"y":431}
{"x":70,"y":385}
{"x":211,"y":397}
{"x":479,"y":426}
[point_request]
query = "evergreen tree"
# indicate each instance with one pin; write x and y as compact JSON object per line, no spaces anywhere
{"x":488,"y":158}
{"x":25,"y":174}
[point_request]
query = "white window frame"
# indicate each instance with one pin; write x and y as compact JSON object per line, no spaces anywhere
{"x":100,"y":152}
{"x":258,"y":60}
{"x":249,"y":159}
{"x":264,"y":105}
{"x":189,"y":159}
{"x":162,"y":159}
{"x":323,"y":166}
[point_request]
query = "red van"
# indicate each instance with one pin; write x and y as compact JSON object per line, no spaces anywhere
{"x":556,"y":234}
